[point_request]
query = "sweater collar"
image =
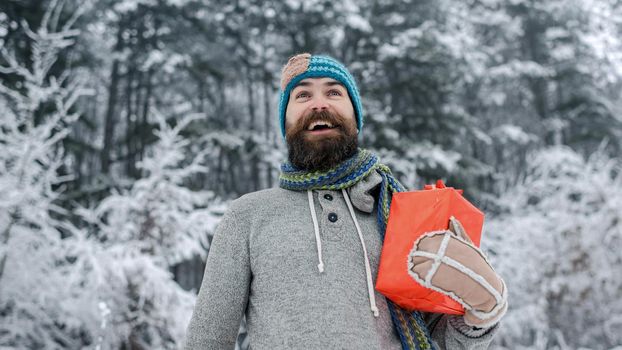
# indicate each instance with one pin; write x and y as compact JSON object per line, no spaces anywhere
{"x":361,"y":192}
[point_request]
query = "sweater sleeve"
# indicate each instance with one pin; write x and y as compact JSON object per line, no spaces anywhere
{"x":446,"y":331}
{"x":223,"y":295}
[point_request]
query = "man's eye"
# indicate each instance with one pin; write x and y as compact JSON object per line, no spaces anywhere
{"x":334,"y":93}
{"x":302,"y":94}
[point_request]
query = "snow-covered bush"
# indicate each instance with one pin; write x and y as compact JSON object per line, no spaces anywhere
{"x":557,"y":244}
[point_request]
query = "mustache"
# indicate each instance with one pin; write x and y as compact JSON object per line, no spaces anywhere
{"x":323,"y":116}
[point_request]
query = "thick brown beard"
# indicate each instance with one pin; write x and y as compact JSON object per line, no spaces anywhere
{"x":325,"y":152}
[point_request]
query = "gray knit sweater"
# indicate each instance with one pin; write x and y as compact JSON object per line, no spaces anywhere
{"x":263,"y":263}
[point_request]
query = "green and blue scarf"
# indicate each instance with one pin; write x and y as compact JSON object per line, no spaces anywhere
{"x":410,"y":326}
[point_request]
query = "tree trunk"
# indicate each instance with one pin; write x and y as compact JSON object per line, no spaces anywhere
{"x":251,"y":99}
{"x":144,"y":123}
{"x":267,"y":94}
{"x":534,"y":32}
{"x":220,"y":185}
{"x":111,"y":108}
{"x":130,"y":130}
{"x":255,"y":171}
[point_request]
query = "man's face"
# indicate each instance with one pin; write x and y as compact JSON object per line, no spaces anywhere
{"x":320,"y":127}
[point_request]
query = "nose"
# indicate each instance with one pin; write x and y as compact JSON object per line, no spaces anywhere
{"x":319,"y":103}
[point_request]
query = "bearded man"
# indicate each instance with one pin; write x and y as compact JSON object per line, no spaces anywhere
{"x":300,"y":261}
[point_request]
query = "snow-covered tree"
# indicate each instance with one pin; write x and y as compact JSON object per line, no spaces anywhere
{"x":38,"y":304}
{"x":557,"y":243}
{"x":159,"y":212}
{"x":145,"y":230}
{"x":107,"y":286}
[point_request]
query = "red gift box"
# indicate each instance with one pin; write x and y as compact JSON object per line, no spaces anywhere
{"x":411,"y":215}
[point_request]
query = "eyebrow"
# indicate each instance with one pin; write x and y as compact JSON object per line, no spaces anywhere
{"x":328,"y":83}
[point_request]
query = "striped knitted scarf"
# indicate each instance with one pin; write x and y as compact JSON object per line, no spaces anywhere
{"x":409,"y":324}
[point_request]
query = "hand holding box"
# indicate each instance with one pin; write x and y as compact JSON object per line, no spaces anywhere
{"x":429,"y":265}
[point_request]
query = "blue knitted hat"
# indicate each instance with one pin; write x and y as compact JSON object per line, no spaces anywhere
{"x":304,"y":66}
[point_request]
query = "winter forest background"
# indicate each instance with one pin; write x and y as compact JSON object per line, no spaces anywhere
{"x":127,"y":126}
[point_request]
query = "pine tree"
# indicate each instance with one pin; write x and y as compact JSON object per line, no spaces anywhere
{"x":37,"y":260}
{"x":144,"y":232}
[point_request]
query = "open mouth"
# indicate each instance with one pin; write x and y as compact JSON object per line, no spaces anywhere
{"x":321,"y":127}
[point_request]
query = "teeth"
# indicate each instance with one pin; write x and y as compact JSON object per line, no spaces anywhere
{"x":314,"y":124}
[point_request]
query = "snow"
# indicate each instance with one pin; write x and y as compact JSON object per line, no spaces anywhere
{"x":556,"y":245}
{"x":178,"y":3}
{"x":512,"y":133}
{"x":388,"y":51}
{"x":554,"y":233}
{"x":35,"y":255}
{"x":395,"y":19}
{"x":91,"y":280}
{"x":515,"y":69}
{"x":125,"y":6}
{"x":168,"y":63}
{"x":356,"y":21}
{"x":433,"y":156}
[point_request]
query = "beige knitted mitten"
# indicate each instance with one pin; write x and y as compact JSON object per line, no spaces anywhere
{"x":448,"y":262}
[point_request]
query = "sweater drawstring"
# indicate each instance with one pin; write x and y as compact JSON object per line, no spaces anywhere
{"x":316,"y":227}
{"x":370,"y":283}
{"x":318,"y":242}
